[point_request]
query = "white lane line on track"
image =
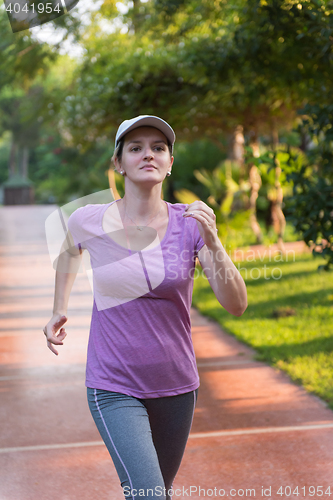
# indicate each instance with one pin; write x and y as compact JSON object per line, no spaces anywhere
{"x":51,"y":446}
{"x":264,"y":430}
{"x":196,"y":435}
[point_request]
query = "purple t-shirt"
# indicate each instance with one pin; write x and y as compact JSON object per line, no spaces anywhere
{"x":140,"y":334}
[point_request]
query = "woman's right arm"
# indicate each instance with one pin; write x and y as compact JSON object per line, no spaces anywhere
{"x":67,"y":267}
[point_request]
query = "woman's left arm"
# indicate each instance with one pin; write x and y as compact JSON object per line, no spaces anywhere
{"x":223,"y":276}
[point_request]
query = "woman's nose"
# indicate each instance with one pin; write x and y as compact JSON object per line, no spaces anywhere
{"x":148,"y":156}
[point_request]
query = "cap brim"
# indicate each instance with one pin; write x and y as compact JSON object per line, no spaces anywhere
{"x":151,"y":121}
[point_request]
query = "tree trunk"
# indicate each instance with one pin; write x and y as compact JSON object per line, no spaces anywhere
{"x":278,"y":218}
{"x":24,"y":162}
{"x":237,"y":145}
{"x":12,"y":159}
{"x":255,"y":183}
{"x":305,"y":141}
{"x":236,"y":149}
{"x":136,"y":15}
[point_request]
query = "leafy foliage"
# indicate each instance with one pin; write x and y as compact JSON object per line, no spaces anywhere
{"x":226,"y":198}
{"x":312,"y":208}
{"x":203,"y":65}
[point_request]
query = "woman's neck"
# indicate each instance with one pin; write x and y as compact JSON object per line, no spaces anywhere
{"x":142,"y":205}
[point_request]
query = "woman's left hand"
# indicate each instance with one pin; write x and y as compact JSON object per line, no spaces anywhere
{"x":206,"y":220}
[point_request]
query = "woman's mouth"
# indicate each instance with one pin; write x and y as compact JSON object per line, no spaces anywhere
{"x":148,"y":167}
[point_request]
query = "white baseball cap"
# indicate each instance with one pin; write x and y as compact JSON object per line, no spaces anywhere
{"x":148,"y":121}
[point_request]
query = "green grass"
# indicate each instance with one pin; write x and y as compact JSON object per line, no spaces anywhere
{"x":246,"y":236}
{"x":301,"y":344}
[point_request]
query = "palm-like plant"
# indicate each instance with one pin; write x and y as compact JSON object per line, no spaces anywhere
{"x":227,"y":193}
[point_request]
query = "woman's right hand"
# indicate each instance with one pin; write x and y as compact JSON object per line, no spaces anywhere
{"x":50,"y":331}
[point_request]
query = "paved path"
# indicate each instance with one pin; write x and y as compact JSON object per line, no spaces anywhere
{"x":252,"y":429}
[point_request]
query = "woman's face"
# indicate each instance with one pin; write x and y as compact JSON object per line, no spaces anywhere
{"x":146,"y":156}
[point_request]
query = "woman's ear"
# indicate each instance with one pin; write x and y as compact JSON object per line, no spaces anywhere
{"x":171,"y":163}
{"x":117,"y":165}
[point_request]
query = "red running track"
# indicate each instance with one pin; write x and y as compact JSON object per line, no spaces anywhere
{"x":254,"y":431}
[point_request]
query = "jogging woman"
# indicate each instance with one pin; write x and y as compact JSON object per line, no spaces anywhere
{"x":141,"y":375}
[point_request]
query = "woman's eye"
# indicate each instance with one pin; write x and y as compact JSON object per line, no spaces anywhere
{"x":156,"y":148}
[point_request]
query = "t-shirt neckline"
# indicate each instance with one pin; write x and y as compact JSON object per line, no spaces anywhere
{"x":111,"y":240}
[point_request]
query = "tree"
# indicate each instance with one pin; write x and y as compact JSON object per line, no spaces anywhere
{"x":24,"y":65}
{"x":312,"y":207}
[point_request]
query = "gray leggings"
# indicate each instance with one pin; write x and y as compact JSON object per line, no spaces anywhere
{"x":146,"y":438}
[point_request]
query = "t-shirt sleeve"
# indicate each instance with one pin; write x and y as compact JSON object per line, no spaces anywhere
{"x":74,"y":225}
{"x":198,"y":241}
